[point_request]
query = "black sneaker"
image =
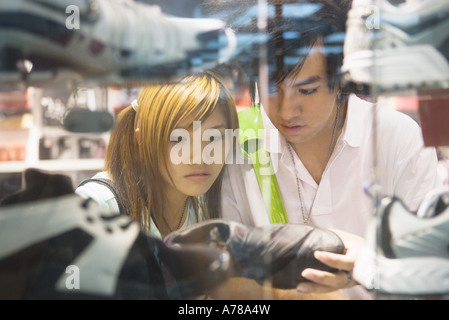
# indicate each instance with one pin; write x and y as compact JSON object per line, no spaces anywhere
{"x":277,"y":253}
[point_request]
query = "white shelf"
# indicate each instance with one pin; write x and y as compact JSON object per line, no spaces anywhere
{"x":29,"y":139}
{"x":53,"y":165}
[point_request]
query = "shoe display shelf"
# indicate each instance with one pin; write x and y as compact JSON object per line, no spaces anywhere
{"x":32,"y":136}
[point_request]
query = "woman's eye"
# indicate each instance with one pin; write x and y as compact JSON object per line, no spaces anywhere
{"x":216,"y":138}
{"x":177,"y":139}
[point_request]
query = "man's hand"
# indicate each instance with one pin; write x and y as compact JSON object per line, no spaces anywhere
{"x":323,"y":281}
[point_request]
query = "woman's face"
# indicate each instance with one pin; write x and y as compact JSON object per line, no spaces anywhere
{"x":303,"y":107}
{"x":196,"y":155}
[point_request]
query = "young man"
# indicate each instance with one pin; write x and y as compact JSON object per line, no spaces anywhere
{"x":331,"y":144}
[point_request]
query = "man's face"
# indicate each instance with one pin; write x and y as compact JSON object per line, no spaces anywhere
{"x":303,"y":108}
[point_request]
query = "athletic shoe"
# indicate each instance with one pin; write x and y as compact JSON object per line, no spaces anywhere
{"x":435,"y":202}
{"x":104,"y":42}
{"x":398,"y":46}
{"x":39,"y":185}
{"x":407,"y":254}
{"x":66,"y":247}
{"x":277,"y":253}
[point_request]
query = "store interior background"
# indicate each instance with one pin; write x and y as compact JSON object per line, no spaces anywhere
{"x":32,"y":134}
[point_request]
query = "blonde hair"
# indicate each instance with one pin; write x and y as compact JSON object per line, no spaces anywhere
{"x":135,"y":159}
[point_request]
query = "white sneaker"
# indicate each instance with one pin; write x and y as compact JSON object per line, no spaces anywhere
{"x":109,"y":41}
{"x":407,"y":254}
{"x":57,"y":245}
{"x":67,"y":247}
{"x":400,"y":46}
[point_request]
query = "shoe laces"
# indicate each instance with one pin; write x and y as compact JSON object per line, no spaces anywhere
{"x":111,"y":221}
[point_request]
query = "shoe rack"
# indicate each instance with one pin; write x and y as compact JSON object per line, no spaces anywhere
{"x":32,"y":135}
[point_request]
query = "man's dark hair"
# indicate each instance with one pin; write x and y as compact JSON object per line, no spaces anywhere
{"x":293,"y":27}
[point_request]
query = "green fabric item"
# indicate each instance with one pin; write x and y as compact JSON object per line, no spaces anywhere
{"x":251,"y":141}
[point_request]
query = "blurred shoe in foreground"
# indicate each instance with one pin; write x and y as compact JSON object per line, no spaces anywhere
{"x":56,"y":245}
{"x":104,"y":42}
{"x":393,"y":45}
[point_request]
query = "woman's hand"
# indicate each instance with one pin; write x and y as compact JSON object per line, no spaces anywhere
{"x":323,"y":281}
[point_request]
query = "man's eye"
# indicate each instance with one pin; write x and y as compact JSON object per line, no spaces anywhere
{"x":308,"y":92}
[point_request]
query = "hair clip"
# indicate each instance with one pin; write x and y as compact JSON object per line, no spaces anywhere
{"x":135,"y":105}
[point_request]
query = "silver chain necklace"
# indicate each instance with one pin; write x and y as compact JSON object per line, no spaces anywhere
{"x":306,"y":218}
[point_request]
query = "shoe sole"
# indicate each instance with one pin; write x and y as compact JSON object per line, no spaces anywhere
{"x":398,"y":68}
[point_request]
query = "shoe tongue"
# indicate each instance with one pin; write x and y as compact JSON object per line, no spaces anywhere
{"x":408,"y":2}
{"x":441,"y":205}
{"x":434,"y":204}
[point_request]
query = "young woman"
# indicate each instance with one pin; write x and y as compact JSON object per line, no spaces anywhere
{"x":166,"y":154}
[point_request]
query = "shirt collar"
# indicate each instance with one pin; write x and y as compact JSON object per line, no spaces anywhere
{"x":273,"y":141}
{"x":356,"y":121}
